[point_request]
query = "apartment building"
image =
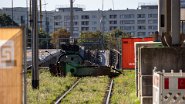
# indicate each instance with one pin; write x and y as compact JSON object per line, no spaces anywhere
{"x":21,"y":15}
{"x":139,"y":22}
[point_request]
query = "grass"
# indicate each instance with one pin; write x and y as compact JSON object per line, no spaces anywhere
{"x":124,"y":89}
{"x":50,"y":88}
{"x":90,"y":90}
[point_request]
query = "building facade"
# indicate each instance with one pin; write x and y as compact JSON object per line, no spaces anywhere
{"x":137,"y":22}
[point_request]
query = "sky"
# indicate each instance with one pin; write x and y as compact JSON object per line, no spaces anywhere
{"x":87,"y":4}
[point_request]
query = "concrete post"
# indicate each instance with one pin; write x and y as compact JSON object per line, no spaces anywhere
{"x":175,"y":20}
{"x":167,"y":7}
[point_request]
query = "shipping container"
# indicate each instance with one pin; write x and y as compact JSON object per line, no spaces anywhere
{"x":128,"y":57}
{"x":128,"y":52}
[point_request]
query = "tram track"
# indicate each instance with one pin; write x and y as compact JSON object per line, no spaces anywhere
{"x":108,"y":92}
{"x":60,"y":98}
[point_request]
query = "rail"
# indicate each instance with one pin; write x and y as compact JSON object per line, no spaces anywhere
{"x":68,"y":91}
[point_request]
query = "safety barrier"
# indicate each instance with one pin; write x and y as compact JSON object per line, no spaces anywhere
{"x":168,"y":88}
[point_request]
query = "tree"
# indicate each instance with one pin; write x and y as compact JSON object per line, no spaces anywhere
{"x":6,"y":21}
{"x":60,"y":36}
{"x":113,"y":38}
{"x":91,"y":40}
{"x":44,"y":40}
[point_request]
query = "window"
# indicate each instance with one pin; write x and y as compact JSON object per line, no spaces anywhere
{"x":152,"y":21}
{"x":127,"y":28}
{"x":76,"y":28}
{"x":152,"y":27}
{"x":85,"y":17}
{"x":76,"y":17}
{"x":75,"y":23}
{"x":47,"y":23}
{"x":66,"y":18}
{"x":112,"y":22}
{"x":94,"y":16}
{"x":85,"y":22}
{"x":152,"y":15}
{"x":57,"y":17}
{"x":127,"y":22}
{"x":140,"y":15}
{"x":151,"y":33}
{"x":112,"y":27}
{"x":22,"y":20}
{"x":66,"y":24}
{"x":141,"y":28}
{"x":57,"y":23}
{"x":141,"y":21}
{"x":85,"y":28}
{"x":127,"y":16}
{"x":113,"y":16}
{"x":141,"y":34}
{"x":94,"y":22}
{"x":94,"y":28}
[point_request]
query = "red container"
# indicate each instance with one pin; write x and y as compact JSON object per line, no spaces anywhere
{"x":128,"y":52}
{"x":128,"y":55}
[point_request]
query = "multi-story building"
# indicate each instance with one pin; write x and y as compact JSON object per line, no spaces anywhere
{"x":138,"y":22}
{"x":18,"y":14}
{"x":21,"y":15}
{"x":182,"y":3}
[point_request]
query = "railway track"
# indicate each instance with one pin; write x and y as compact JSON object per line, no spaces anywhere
{"x":108,"y":92}
{"x":59,"y":99}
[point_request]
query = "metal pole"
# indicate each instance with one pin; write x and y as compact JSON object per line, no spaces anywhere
{"x":102,"y":40}
{"x":41,"y":15}
{"x":24,"y":66}
{"x":25,"y":35}
{"x":30,"y":13}
{"x":12,"y":13}
{"x":35,"y":72}
{"x":175,"y":21}
{"x":71,"y":20}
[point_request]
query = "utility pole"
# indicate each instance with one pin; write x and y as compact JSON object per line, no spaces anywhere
{"x":71,"y":20}
{"x":12,"y":13}
{"x":41,"y":15}
{"x":35,"y":70}
{"x":102,"y":25}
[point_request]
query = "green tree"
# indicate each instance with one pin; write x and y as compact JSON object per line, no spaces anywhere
{"x":113,"y":38}
{"x":60,"y":36}
{"x":6,"y":21}
{"x":91,"y":40}
{"x":44,"y":40}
